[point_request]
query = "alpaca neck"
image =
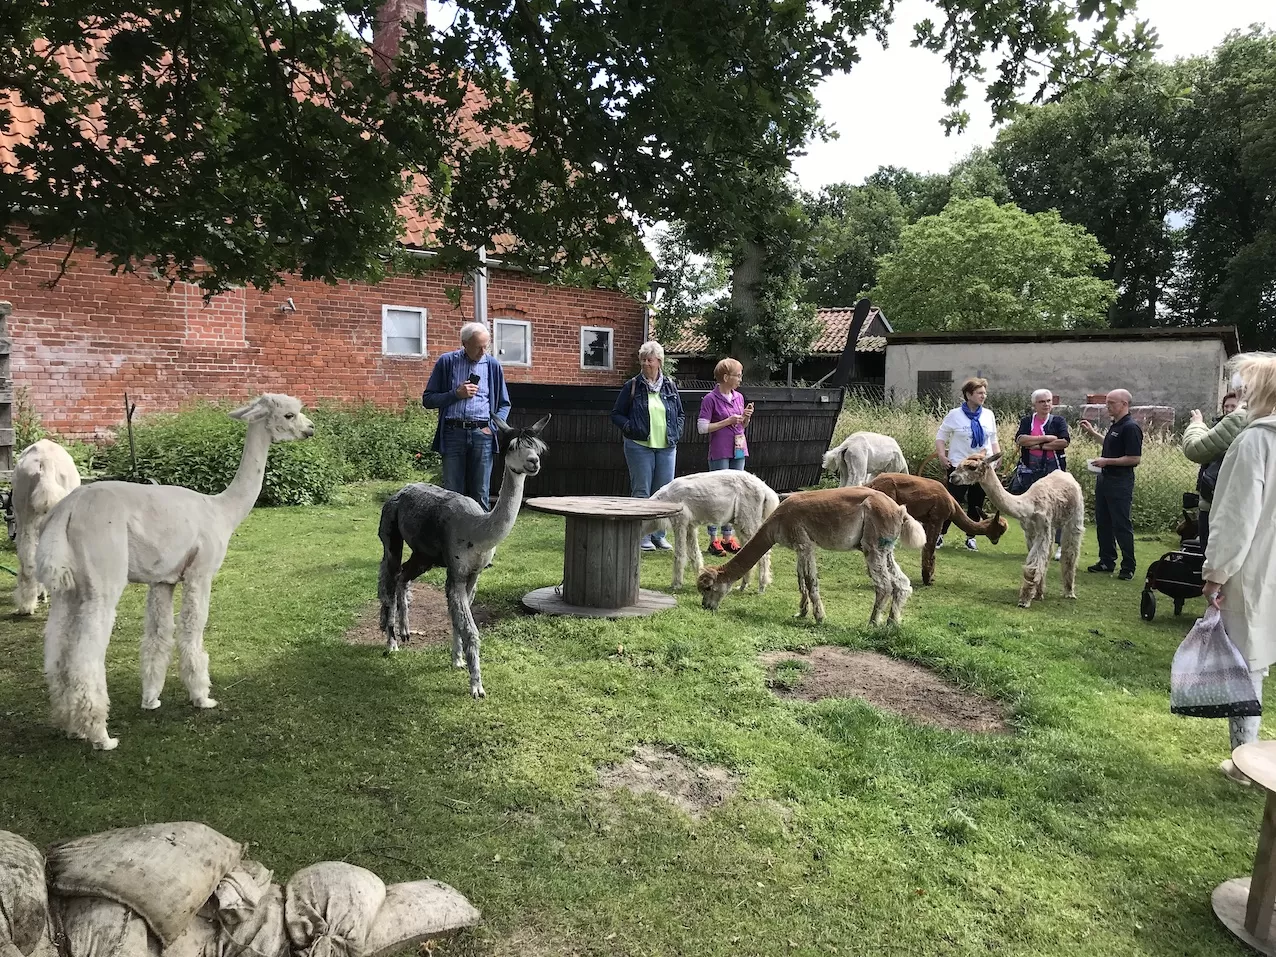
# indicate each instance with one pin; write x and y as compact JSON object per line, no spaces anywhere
{"x":969,"y":525}
{"x":496,"y":524}
{"x":1003,"y":501}
{"x":750,"y":554}
{"x":241,"y":495}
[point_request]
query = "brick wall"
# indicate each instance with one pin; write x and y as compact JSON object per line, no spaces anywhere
{"x":79,"y":346}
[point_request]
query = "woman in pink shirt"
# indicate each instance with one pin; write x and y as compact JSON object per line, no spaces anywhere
{"x":724,"y":417}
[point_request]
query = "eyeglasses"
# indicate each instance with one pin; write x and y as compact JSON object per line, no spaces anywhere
{"x":732,"y":375}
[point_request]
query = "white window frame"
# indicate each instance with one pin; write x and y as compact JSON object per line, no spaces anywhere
{"x":385,"y":345}
{"x":611,"y":348}
{"x":496,"y":351}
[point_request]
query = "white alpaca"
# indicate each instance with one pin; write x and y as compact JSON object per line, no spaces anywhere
{"x":44,"y":475}
{"x":1053,"y":502}
{"x":863,"y":456}
{"x":105,"y":535}
{"x":725,"y":497}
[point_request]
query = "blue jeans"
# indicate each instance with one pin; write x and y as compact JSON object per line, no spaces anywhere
{"x":467,"y":463}
{"x":717,"y":465}
{"x":649,"y":470}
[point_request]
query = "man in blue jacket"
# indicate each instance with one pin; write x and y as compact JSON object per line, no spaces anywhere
{"x":468,"y":388}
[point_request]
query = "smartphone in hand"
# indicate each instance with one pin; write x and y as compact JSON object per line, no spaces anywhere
{"x":474,"y":378}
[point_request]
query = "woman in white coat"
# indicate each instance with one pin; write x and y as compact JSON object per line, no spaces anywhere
{"x":1240,"y":559}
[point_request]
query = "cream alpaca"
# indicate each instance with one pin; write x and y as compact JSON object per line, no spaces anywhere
{"x":45,"y":474}
{"x":863,"y":456}
{"x":1053,"y":502}
{"x":840,"y":520}
{"x":724,"y":497}
{"x":105,"y":535}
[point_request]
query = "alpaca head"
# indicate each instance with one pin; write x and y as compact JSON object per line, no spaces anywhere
{"x":280,"y":414}
{"x":521,"y":448}
{"x":973,"y":468}
{"x":997,"y":528}
{"x":712,"y":588}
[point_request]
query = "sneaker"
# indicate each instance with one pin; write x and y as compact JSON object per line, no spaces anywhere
{"x":1126,"y":575}
{"x":1233,"y":772}
{"x":1101,"y":568}
{"x":648,"y":545}
{"x":939,"y":542}
{"x":731,"y":544}
{"x":663,"y":544}
{"x":971,"y":546}
{"x":715,"y":547}
{"x":1058,"y":553}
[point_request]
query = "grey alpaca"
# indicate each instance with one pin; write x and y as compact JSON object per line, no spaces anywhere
{"x":449,"y":530}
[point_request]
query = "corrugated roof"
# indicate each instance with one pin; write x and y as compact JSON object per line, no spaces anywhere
{"x":835,"y":326}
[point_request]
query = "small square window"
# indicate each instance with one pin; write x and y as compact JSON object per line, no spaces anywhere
{"x":595,"y":347}
{"x":512,"y":342}
{"x":402,"y":331}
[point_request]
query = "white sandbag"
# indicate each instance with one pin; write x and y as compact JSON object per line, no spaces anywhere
{"x":24,"y":902}
{"x":97,"y":927}
{"x":164,"y":872}
{"x":417,"y":911}
{"x":250,"y":911}
{"x":329,"y":908}
{"x":200,"y":939}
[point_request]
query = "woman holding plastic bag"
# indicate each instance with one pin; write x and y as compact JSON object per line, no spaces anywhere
{"x":1240,"y":559}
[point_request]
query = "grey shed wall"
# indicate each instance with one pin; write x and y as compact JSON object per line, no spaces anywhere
{"x":1186,"y":374}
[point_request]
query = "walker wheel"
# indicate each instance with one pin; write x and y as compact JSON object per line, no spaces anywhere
{"x":1147,"y":605}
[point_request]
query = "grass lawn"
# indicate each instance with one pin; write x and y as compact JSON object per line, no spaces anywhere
{"x":1098,"y":827}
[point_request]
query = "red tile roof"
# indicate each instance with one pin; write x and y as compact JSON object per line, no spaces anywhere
{"x":835,"y":325}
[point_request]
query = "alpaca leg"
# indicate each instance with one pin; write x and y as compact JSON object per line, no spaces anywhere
{"x":190,"y":642}
{"x":1034,"y":568}
{"x":804,"y":595}
{"x":809,"y":571}
{"x":1071,"y":552}
{"x":679,"y":530}
{"x":26,"y":595}
{"x":880,"y":575}
{"x":928,"y":554}
{"x":60,"y":631}
{"x":389,"y":585}
{"x":465,"y":631}
{"x":764,"y":573}
{"x":157,"y":643}
{"x":901,"y":588}
{"x":401,"y":620}
{"x":84,"y":671}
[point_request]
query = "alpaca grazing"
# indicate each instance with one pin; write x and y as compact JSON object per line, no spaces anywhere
{"x":864,"y":455}
{"x":449,"y":530}
{"x":105,"y":535}
{"x":931,"y":504}
{"x":839,"y":520}
{"x":1053,"y":502}
{"x":724,"y":497}
{"x":44,"y":475}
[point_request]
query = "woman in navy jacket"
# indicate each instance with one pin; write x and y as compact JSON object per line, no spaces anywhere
{"x":649,"y":414}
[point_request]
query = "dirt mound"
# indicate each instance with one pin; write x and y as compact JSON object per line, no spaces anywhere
{"x":897,"y":686}
{"x":428,"y":616}
{"x":655,"y":770}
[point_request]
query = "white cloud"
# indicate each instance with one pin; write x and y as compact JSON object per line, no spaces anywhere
{"x":887,"y":110}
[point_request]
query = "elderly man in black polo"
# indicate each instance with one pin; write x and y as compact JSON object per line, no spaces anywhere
{"x":1114,"y":489}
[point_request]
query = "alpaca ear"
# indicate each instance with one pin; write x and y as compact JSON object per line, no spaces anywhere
{"x":500,"y":425}
{"x":540,"y":425}
{"x":250,"y":412}
{"x":994,"y":460}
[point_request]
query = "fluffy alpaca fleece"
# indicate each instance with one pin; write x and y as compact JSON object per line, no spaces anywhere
{"x":450,"y":530}
{"x":105,"y":535}
{"x":862,"y":456}
{"x":725,"y":497}
{"x":44,"y":475}
{"x":931,"y":504}
{"x":1053,"y":502}
{"x":839,"y":520}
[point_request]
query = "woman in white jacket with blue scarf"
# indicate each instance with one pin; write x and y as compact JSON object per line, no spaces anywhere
{"x":1240,"y":558}
{"x":967,"y":429}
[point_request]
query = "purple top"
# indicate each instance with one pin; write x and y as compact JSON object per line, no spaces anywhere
{"x":714,"y":408}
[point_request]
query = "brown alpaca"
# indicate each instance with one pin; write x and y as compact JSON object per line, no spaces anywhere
{"x":840,"y":520}
{"x":930,"y":503}
{"x":1053,"y":502}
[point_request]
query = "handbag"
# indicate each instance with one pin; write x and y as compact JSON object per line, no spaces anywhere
{"x":1208,"y":676}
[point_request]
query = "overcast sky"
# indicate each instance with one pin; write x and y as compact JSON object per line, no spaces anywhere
{"x":888,"y":108}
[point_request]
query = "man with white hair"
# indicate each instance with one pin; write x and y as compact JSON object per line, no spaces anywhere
{"x":1114,"y":488}
{"x":468,"y":388}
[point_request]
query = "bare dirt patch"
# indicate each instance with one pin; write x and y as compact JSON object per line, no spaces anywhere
{"x":899,"y":687}
{"x":695,"y":789}
{"x":428,"y":615}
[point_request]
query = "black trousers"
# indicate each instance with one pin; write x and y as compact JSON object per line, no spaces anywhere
{"x":970,"y":497}
{"x":1113,"y":502}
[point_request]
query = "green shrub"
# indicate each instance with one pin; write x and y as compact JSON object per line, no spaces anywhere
{"x":200,"y":448}
{"x":26,"y":421}
{"x":369,"y":442}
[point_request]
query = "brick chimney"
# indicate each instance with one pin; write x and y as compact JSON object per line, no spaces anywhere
{"x":387,"y":28}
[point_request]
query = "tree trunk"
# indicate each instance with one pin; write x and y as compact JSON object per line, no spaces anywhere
{"x":745,"y":276}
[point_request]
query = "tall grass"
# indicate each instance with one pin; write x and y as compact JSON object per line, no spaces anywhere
{"x":1160,"y":480}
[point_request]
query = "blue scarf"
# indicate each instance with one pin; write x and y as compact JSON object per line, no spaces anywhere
{"x":976,"y":430}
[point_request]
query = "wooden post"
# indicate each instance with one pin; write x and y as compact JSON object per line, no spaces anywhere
{"x":1262,"y":884}
{"x":600,"y":563}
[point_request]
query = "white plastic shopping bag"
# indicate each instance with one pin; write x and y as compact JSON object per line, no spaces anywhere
{"x":1209,"y":677}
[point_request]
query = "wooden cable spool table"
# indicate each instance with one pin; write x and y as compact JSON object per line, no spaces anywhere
{"x":600,"y":557}
{"x":1245,"y":904}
